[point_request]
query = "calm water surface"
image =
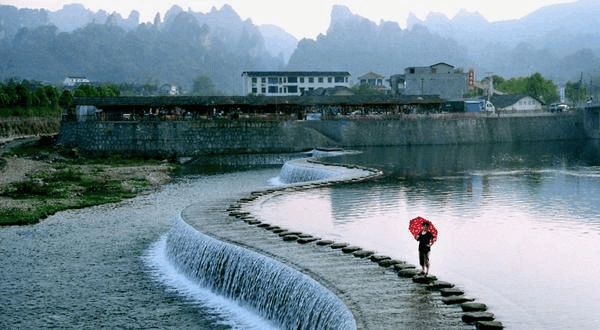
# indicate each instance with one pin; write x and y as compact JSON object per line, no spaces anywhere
{"x":519,"y":224}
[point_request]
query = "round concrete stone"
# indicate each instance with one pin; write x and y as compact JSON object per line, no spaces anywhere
{"x":473,"y":307}
{"x":351,"y":249}
{"x":489,"y":325}
{"x":338,"y":245}
{"x":291,"y":233}
{"x":473,"y":317}
{"x":400,"y":267}
{"x":422,"y":279}
{"x":454,"y":300}
{"x":408,"y":273}
{"x":305,"y":236}
{"x":273,"y":227}
{"x":306,"y":240}
{"x":378,"y":258}
{"x":437,"y":285}
{"x":451,"y":292}
{"x":254,"y":222}
{"x":363,"y":253}
{"x":278,"y":230}
{"x":324,"y":242}
{"x":263,"y":225}
{"x":290,"y":238}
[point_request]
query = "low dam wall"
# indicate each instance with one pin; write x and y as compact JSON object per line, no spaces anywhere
{"x":191,"y":138}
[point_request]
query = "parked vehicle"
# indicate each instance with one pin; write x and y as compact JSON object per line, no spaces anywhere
{"x":558,"y":107}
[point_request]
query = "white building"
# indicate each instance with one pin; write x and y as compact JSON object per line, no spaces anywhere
{"x":75,"y":81}
{"x":515,"y":102}
{"x":285,"y":83}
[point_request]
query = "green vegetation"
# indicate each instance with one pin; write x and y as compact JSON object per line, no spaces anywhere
{"x":576,"y":92}
{"x":535,"y":85}
{"x":203,"y":86}
{"x":364,"y":89}
{"x":69,"y":180}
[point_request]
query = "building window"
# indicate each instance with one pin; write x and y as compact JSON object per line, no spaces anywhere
{"x":311,"y":80}
{"x":263,"y":90}
{"x":311,"y":89}
{"x":321,"y":80}
{"x":302,"y":90}
{"x":273,"y":80}
{"x":339,"y":79}
{"x":273,"y":90}
{"x":346,"y":79}
{"x":329,"y":80}
{"x":292,"y":89}
{"x":254,"y":90}
{"x":254,"y":80}
{"x":302,"y":80}
{"x":292,"y":80}
{"x":263,"y":80}
{"x":411,"y":70}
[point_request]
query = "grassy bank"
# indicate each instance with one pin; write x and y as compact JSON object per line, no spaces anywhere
{"x":59,"y":178}
{"x":30,"y":112}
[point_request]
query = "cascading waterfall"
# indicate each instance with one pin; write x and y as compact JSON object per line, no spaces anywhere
{"x":301,"y":171}
{"x":274,"y":290}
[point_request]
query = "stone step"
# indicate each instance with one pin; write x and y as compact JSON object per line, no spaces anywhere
{"x":363,"y":254}
{"x":324,"y":242}
{"x":473,"y":317}
{"x":451,"y":292}
{"x":437,"y":285}
{"x":422,"y":279}
{"x":454,"y":300}
{"x":473,"y":307}
{"x":489,"y":325}
{"x":338,"y":245}
{"x":351,"y":249}
{"x":408,"y":273}
{"x":378,"y":258}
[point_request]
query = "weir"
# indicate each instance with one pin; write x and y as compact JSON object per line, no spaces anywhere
{"x":274,"y":290}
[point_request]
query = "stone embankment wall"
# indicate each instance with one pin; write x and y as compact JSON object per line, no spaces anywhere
{"x":191,"y":138}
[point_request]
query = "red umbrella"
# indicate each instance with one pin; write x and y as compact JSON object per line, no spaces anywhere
{"x":416,"y":225}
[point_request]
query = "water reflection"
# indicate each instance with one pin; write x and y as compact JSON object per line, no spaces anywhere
{"x":519,"y":224}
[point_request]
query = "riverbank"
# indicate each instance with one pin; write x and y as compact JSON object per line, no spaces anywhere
{"x":39,"y":179}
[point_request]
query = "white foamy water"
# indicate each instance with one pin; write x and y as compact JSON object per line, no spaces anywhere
{"x":231,"y":313}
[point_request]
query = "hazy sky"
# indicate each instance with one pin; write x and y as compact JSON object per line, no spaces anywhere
{"x":308,"y":18}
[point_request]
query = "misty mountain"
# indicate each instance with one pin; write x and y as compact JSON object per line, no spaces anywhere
{"x":355,"y":44}
{"x":547,"y":40}
{"x":186,"y":45}
{"x":278,"y":42}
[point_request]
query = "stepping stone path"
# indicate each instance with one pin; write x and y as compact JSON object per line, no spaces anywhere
{"x":453,"y":300}
{"x":422,"y":279}
{"x":305,"y":236}
{"x":473,"y":307}
{"x":477,"y":316}
{"x":263,"y":225}
{"x":400,"y":267}
{"x":451,"y":292}
{"x":378,"y":258}
{"x":278,"y":230}
{"x":389,"y":262}
{"x":290,"y":238}
{"x":307,"y":240}
{"x":489,"y":325}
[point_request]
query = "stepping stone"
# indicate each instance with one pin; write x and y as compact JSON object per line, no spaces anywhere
{"x":273,"y":227}
{"x":422,"y":279}
{"x":338,"y":245}
{"x":306,"y":240}
{"x":350,"y":249}
{"x":325,"y":242}
{"x":253,"y":222}
{"x":290,"y":238}
{"x":477,"y":316}
{"x":378,"y":258}
{"x":489,"y":325}
{"x":454,"y":300}
{"x":263,"y":225}
{"x":305,"y":236}
{"x":473,"y":307}
{"x":388,"y":262}
{"x":278,"y":230}
{"x":408,"y":273}
{"x":400,"y":267}
{"x":451,"y":292}
{"x":440,"y":285}
{"x":363,"y":253}
{"x":286,"y":233}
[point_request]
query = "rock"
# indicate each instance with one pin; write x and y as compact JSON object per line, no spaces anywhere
{"x":422,"y":279}
{"x":290,"y":238}
{"x":453,"y":300}
{"x":273,"y":227}
{"x":439,"y":285}
{"x":278,"y":230}
{"x":389,"y":262}
{"x":378,"y":258}
{"x":489,"y":325}
{"x":363,"y":254}
{"x":306,"y":240}
{"x":290,"y":233}
{"x":400,"y":267}
{"x":263,"y":225}
{"x":338,"y":245}
{"x":473,"y":307}
{"x":324,"y":242}
{"x":451,"y":292}
{"x":477,"y":316}
{"x":408,"y":273}
{"x":350,"y":249}
{"x":253,"y":222}
{"x":305,"y":236}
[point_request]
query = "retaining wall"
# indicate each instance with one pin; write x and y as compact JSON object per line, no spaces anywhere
{"x":214,"y":137}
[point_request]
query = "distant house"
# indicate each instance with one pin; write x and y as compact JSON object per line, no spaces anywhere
{"x":440,"y":79}
{"x":168,"y":89}
{"x":373,"y":80}
{"x":74,"y":81}
{"x":286,"y":83}
{"x":516,"y":102}
{"x":331,"y":91}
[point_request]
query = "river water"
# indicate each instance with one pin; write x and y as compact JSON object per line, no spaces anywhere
{"x":104,"y":266}
{"x":519,"y":225}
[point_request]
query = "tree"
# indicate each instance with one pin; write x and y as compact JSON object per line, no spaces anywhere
{"x":576,"y":92}
{"x":203,"y":86}
{"x":66,"y":99}
{"x":365,"y":89}
{"x":535,"y":85}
